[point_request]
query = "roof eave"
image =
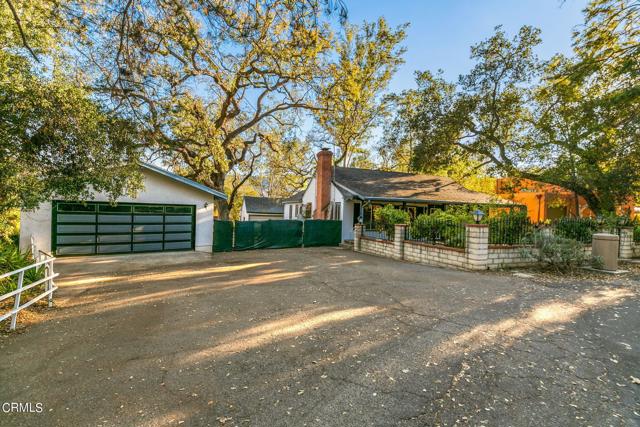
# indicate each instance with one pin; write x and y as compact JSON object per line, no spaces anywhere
{"x":183,"y":180}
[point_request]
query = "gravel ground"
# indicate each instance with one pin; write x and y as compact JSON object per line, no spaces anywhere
{"x":324,"y":337}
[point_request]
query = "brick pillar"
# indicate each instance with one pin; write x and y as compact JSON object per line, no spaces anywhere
{"x":398,"y":241}
{"x":626,"y":242}
{"x":477,"y":249}
{"x":357,"y":232}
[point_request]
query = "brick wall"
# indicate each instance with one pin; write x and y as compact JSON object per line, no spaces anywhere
{"x":477,"y":255}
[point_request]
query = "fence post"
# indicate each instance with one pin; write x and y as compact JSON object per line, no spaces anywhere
{"x":626,"y":242}
{"x":50,"y":282}
{"x":477,"y":247}
{"x":16,"y":303}
{"x":357,"y":233}
{"x":398,"y":241}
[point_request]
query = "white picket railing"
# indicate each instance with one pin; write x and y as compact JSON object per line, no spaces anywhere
{"x":49,"y":287}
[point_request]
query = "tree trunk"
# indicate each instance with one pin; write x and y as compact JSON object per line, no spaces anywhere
{"x":217,"y":182}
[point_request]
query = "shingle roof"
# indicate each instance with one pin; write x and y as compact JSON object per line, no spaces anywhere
{"x":385,"y":185}
{"x":296,"y":198}
{"x":265,"y":205}
{"x":183,"y":180}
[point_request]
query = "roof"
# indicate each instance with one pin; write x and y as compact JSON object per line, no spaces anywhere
{"x":296,"y":198}
{"x":368,"y":184}
{"x":183,"y":180}
{"x":263,"y":205}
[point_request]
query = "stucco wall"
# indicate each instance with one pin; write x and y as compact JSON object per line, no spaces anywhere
{"x":157,"y":189}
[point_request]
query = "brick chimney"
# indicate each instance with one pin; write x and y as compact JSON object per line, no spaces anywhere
{"x":324,"y":172}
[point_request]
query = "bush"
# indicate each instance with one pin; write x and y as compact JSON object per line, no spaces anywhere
{"x":559,"y":253}
{"x":439,"y":227}
{"x":12,"y":259}
{"x":580,"y":229}
{"x":509,"y":228}
{"x":387,"y":217}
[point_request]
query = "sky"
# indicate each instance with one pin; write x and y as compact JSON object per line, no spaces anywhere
{"x":442,"y":31}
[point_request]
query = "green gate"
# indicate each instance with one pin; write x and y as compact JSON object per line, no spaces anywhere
{"x":322,"y":233}
{"x":275,"y":234}
{"x":222,"y":236}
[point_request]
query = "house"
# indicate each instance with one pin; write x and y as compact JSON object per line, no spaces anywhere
{"x":170,"y":213}
{"x":546,"y":202}
{"x":261,"y":209}
{"x":293,"y":206}
{"x":352,"y":194}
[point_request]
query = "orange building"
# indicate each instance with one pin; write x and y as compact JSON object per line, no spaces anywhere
{"x":546,"y":201}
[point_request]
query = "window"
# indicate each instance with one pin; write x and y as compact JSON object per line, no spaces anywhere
{"x":290,"y":211}
{"x":337,"y":211}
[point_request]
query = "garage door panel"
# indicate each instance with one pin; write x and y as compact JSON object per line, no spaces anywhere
{"x":114,"y":228}
{"x":147,"y":247}
{"x":178,"y":236}
{"x":76,"y":228}
{"x":77,"y":239}
{"x":101,"y":228}
{"x":177,"y":218}
{"x":177,"y":227}
{"x":147,"y":228}
{"x":147,"y":237}
{"x":147,"y":219}
{"x":76,"y":218}
{"x":114,"y":238}
{"x":110,"y":219}
{"x":113,"y":249}
{"x":177,"y":245}
{"x":76,"y":250}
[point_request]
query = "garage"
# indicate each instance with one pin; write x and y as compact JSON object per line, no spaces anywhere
{"x":171,"y":213}
{"x":102,"y":228}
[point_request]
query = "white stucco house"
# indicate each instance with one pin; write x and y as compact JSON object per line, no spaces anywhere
{"x":261,"y":209}
{"x":170,"y":213}
{"x":352,"y":194}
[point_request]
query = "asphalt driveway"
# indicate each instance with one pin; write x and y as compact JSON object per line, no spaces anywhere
{"x":322,"y":337}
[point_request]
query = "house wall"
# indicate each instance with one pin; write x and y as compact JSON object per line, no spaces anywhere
{"x":244,"y":216}
{"x":263,"y":217}
{"x":157,"y":189}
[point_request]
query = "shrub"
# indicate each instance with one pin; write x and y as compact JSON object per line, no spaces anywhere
{"x":558,"y":253}
{"x":509,"y":228}
{"x":439,"y":227}
{"x":387,"y":217}
{"x":12,"y":259}
{"x":580,"y":229}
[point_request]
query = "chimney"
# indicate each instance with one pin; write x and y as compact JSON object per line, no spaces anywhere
{"x":324,"y":172}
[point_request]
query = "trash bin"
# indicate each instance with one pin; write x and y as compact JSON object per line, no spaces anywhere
{"x":605,"y":246}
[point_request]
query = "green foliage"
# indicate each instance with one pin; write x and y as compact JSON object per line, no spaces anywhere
{"x":9,"y":226}
{"x":367,"y":58}
{"x":12,"y":259}
{"x":558,"y":253}
{"x":441,"y":227}
{"x":636,"y":234}
{"x":508,"y":227}
{"x":55,"y":139}
{"x":580,"y":229}
{"x":570,"y":121}
{"x":387,"y":217}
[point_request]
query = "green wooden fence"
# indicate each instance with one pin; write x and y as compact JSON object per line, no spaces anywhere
{"x":275,"y":234}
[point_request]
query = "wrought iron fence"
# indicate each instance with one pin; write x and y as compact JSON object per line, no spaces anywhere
{"x":509,"y":230}
{"x":580,"y":229}
{"x":437,"y":232}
